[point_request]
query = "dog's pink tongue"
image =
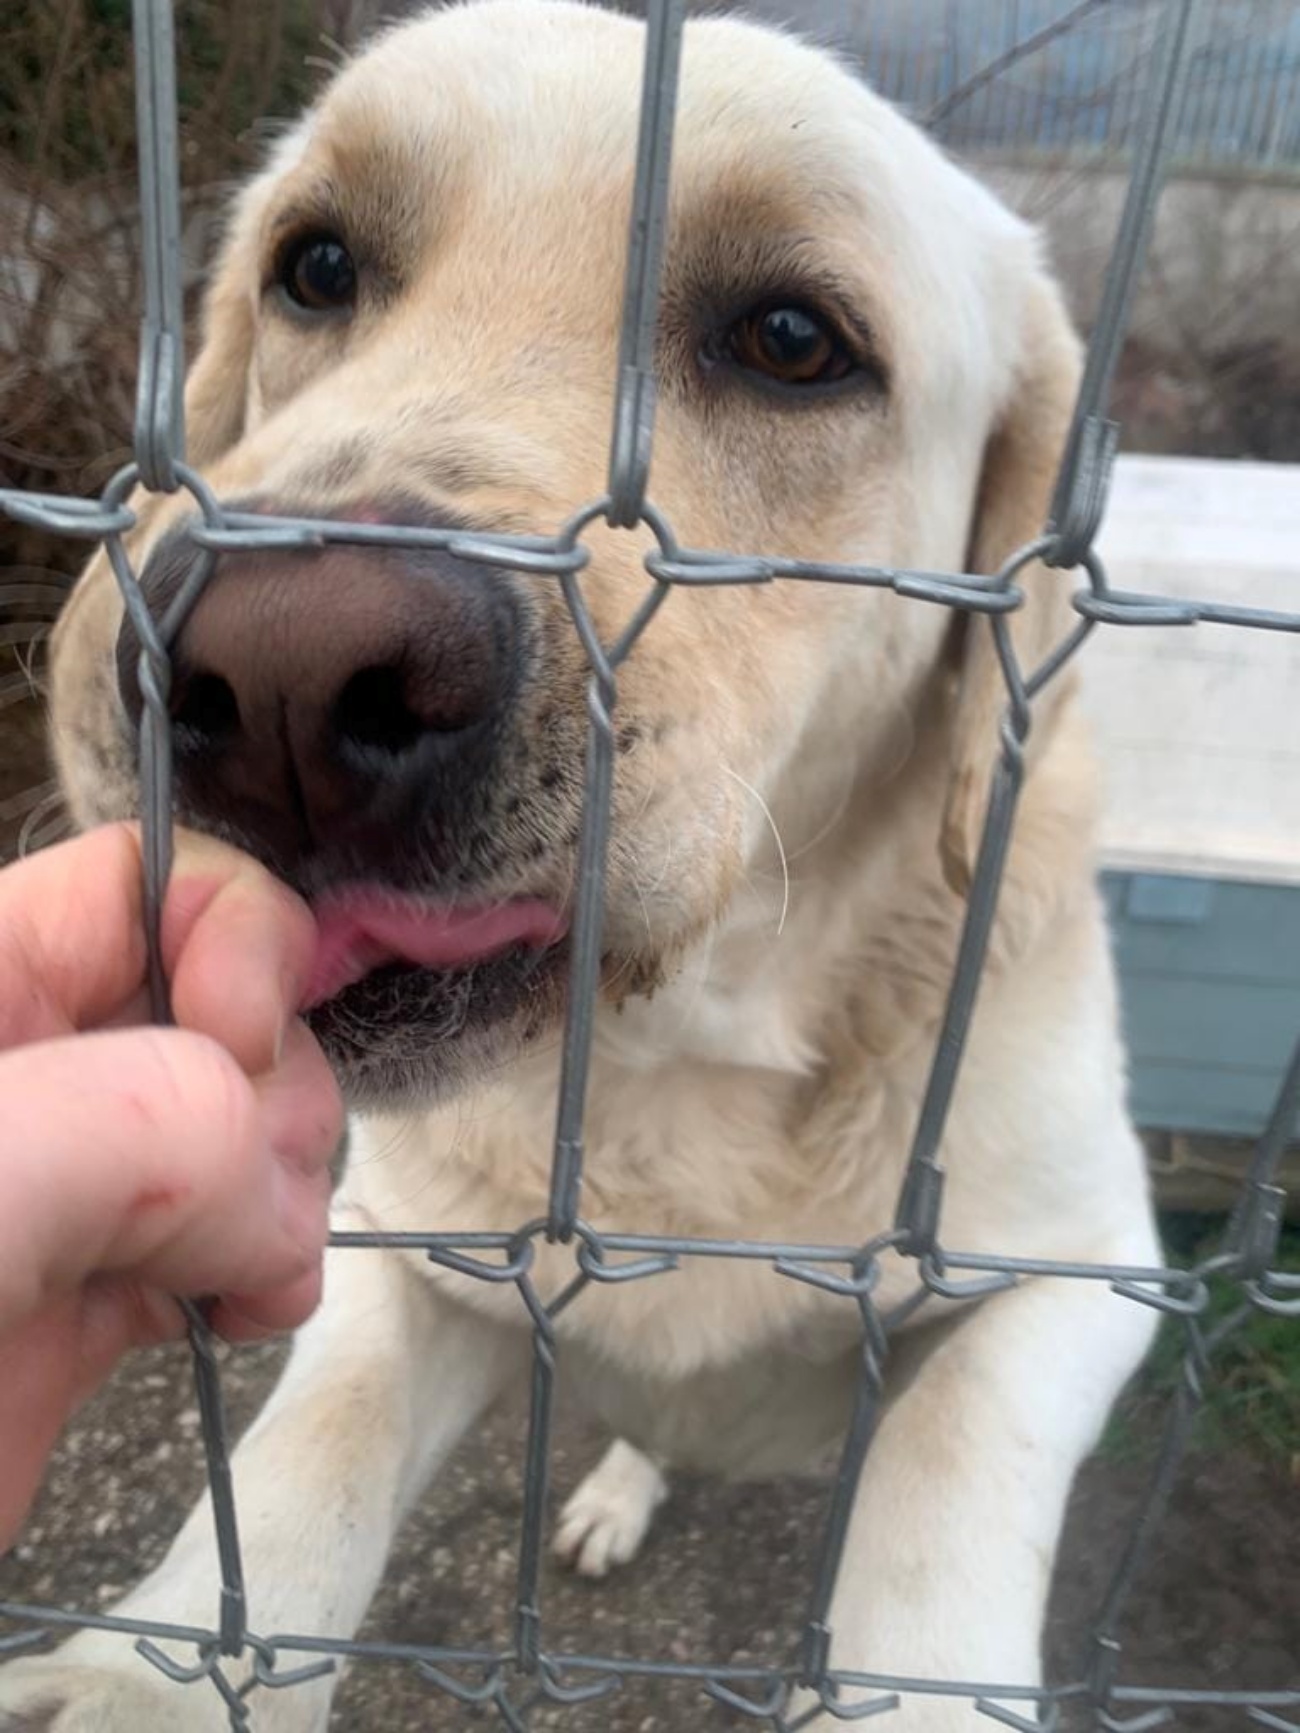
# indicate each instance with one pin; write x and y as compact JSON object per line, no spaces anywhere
{"x":360,"y":930}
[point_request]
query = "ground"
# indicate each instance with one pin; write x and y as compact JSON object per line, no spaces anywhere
{"x":723,"y":1576}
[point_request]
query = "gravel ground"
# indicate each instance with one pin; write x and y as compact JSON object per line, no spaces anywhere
{"x":721,"y":1578}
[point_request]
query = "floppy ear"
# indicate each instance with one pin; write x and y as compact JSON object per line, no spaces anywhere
{"x":1019,"y":471}
{"x":216,"y":391}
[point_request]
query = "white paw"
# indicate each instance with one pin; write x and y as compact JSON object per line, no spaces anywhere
{"x":606,"y":1520}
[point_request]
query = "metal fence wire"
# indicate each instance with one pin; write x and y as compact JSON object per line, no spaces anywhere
{"x":511,"y":1683}
{"x":1040,"y":78}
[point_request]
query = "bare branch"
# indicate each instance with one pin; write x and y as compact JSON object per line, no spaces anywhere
{"x":1018,"y":51}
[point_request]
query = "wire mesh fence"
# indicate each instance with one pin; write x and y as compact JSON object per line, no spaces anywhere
{"x":511,"y":1683}
{"x":1038,"y":77}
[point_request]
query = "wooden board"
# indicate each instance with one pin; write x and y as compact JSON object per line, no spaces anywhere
{"x":1199,"y":726}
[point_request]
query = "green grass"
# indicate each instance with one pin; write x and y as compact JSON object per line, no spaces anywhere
{"x":1252,"y":1389}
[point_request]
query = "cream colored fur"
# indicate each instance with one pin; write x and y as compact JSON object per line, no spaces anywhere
{"x":791,"y":843}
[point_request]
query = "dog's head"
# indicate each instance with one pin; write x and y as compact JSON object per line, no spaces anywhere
{"x":415,"y":318}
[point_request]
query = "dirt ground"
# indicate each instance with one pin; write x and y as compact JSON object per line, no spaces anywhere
{"x":722,"y":1578}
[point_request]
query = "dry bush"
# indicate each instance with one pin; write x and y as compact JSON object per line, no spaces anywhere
{"x":69,"y":264}
{"x":1236,"y":400}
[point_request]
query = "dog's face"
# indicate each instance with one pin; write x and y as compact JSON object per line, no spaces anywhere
{"x":415,"y":318}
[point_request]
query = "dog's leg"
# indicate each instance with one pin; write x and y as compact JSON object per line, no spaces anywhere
{"x":382,"y":1383}
{"x":609,"y":1515}
{"x":949,"y":1553}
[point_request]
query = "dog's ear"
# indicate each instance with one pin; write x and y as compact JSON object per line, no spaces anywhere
{"x":1019,"y":470}
{"x":216,"y":391}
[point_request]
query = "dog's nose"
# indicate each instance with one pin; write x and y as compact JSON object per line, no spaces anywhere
{"x":332,"y":698}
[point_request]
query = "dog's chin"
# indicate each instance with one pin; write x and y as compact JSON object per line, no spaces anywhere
{"x":407,"y":1037}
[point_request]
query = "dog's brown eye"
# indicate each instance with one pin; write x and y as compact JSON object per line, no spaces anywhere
{"x":317,"y":273}
{"x":791,"y":345}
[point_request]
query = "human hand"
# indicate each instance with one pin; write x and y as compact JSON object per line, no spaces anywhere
{"x":139,"y":1163}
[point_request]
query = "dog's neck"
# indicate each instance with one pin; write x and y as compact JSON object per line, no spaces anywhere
{"x":849,"y":916}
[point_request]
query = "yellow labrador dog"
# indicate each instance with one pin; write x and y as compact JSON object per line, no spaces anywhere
{"x":861,"y":358}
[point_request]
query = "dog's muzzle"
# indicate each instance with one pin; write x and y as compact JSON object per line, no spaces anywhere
{"x":334,"y":701}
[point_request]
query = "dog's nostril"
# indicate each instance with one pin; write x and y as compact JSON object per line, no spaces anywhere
{"x":372,"y":712}
{"x":204,"y":711}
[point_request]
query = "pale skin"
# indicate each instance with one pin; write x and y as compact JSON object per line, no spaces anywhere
{"x":139,"y":1163}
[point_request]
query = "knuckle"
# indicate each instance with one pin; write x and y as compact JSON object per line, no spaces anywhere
{"x":191,"y":1080}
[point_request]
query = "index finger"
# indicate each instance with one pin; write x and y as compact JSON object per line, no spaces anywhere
{"x":72,"y":945}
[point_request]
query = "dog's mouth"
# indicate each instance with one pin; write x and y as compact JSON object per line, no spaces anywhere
{"x":413,"y":998}
{"x":362,"y":929}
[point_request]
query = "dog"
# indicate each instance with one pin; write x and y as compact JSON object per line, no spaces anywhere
{"x":861,"y":357}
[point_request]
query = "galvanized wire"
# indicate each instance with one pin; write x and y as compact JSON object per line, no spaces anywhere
{"x":510,"y":1682}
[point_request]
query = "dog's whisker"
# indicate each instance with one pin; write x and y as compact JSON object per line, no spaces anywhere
{"x":44,"y":824}
{"x":47,"y":835}
{"x":669,"y":855}
{"x":707,"y":947}
{"x":26,"y":657}
{"x":766,"y":810}
{"x":18,"y":688}
{"x":819,"y":836}
{"x":390,"y":1146}
{"x":17,"y":805}
{"x":23,"y":632}
{"x":645,"y":911}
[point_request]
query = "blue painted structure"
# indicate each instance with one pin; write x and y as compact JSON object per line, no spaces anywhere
{"x":1210,"y":982}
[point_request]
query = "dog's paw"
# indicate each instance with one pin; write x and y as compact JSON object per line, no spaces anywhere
{"x":606,"y":1520}
{"x":55,"y":1694}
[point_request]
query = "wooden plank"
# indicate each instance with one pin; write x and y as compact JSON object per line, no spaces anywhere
{"x":1199,"y":726}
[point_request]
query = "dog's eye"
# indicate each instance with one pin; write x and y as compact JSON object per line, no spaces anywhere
{"x":790,"y":344}
{"x":318,"y":274}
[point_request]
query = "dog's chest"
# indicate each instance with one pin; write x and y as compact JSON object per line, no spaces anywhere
{"x":700,"y":1156}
